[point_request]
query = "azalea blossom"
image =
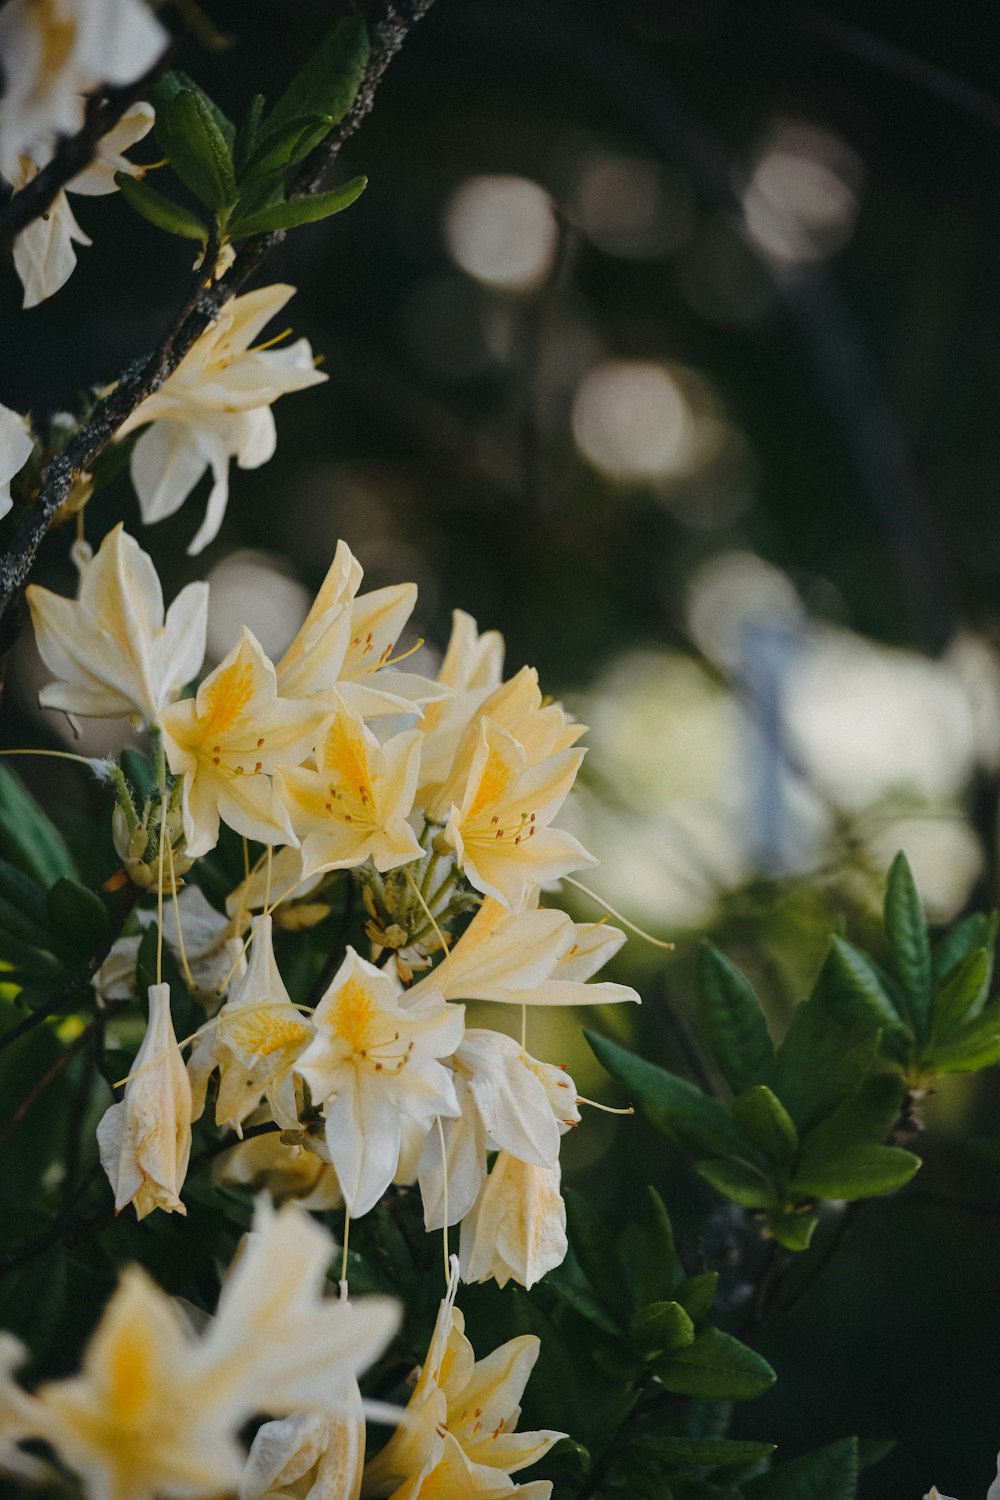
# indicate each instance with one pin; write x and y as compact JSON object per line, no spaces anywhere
{"x":44,"y":257}
{"x":345,"y":644}
{"x":213,"y":951}
{"x":254,"y":1041}
{"x":16,"y":444}
{"x":458,"y":1436}
{"x":509,"y":1101}
{"x":355,"y":804}
{"x":155,"y":1412}
{"x":500,"y":832}
{"x":372,"y":1061}
{"x":54,"y":52}
{"x":472,"y":668}
{"x":517,"y":1229}
{"x":311,"y":1454}
{"x":216,"y":406}
{"x":112,"y":649}
{"x":228,"y":739}
{"x":20,"y":1418}
{"x":145,"y":1140}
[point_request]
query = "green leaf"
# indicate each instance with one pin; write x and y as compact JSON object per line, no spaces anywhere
{"x":906,"y":930}
{"x":296,"y":211}
{"x":852,"y":991}
{"x":816,"y":1065}
{"x":827,"y":1474}
{"x":568,"y":1284}
{"x":716,"y":1366}
{"x":858,"y":1172}
{"x":731,"y":1021}
{"x":329,"y":82}
{"x":661,"y":1325}
{"x":590,"y":1239}
{"x":740,"y":1182}
{"x":247,"y":136}
{"x":197,"y":149}
{"x":174,"y":83}
{"x":793,"y":1230}
{"x":866,"y":1116}
{"x":975,"y":931}
{"x":28,"y":839}
{"x":767,"y":1124}
{"x":675,"y":1108}
{"x":963,"y":991}
{"x":871,"y":1451}
{"x":160,"y":210}
{"x":140,"y":773}
{"x":286,"y":148}
{"x":77,"y":914}
{"x":975,"y":1046}
{"x":660,"y":1269}
{"x":697,"y":1295}
{"x":701,"y":1452}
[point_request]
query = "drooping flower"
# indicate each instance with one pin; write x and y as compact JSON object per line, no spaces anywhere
{"x":44,"y":257}
{"x":517,"y":1229}
{"x":54,"y":52}
{"x":15,"y":450}
{"x":458,"y":1436}
{"x":372,"y":1061}
{"x":155,"y":1411}
{"x":112,"y":649}
{"x":216,"y":406}
{"x":355,"y":804}
{"x":500,"y":832}
{"x":145,"y":1139}
{"x":228,"y":739}
{"x":254,"y":1042}
{"x":310,"y":1454}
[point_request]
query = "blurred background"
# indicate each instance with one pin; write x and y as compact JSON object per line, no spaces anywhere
{"x":664,"y":340}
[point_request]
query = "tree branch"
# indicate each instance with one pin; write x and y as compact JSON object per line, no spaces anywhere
{"x":147,"y":374}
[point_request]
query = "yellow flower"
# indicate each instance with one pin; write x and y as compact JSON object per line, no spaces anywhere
{"x":145,"y":1140}
{"x":500,"y":832}
{"x":227,"y":740}
{"x":112,"y":649}
{"x":458,"y":1436}
{"x":517,"y":1230}
{"x":354,"y":806}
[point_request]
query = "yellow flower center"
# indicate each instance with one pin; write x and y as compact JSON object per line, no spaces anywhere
{"x":353,"y":1015}
{"x":226,"y":699}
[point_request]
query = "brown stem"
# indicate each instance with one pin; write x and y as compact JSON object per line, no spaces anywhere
{"x":147,"y":374}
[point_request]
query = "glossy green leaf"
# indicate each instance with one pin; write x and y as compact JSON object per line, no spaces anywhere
{"x":160,"y":210}
{"x":247,"y":136}
{"x":767,"y":1124}
{"x":660,"y":1269}
{"x":852,"y":991}
{"x":963,"y":992}
{"x":829,"y":1473}
{"x":906,"y":930}
{"x":661,"y":1325}
{"x":189,"y":132}
{"x":29,"y":840}
{"x":593,"y":1246}
{"x":793,"y":1230}
{"x":676,"y":1108}
{"x":857,"y":1172}
{"x":731,"y":1021}
{"x":701,"y":1452}
{"x":975,"y":931}
{"x":568,"y":1284}
{"x":296,"y":211}
{"x":818,"y":1064}
{"x":717,"y":1366}
{"x":329,"y":82}
{"x":740,"y":1182}
{"x":697,"y":1295}
{"x":975,"y":1046}
{"x":286,"y":147}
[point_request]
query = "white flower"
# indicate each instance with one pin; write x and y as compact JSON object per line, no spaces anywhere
{"x":325,"y":1453}
{"x":145,"y":1140}
{"x":53,"y":52}
{"x":517,"y":1229}
{"x":15,"y":450}
{"x":112,"y":649}
{"x":993,"y":1493}
{"x":44,"y":257}
{"x":216,"y":406}
{"x":372,"y":1061}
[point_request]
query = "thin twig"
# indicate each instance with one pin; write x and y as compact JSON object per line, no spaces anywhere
{"x":148,"y":373}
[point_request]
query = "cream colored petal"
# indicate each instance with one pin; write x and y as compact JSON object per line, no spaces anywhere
{"x":165,"y":467}
{"x":44,"y":257}
{"x":15,"y":449}
{"x":99,"y":177}
{"x":508,"y":873}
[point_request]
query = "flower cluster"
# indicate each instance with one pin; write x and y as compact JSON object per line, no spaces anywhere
{"x":440,"y":797}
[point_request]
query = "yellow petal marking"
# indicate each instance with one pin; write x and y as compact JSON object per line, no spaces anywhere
{"x":130,"y":1382}
{"x":262,"y":1032}
{"x":345,"y":756}
{"x":226,"y":699}
{"x":497,"y":775}
{"x":353,"y":1015}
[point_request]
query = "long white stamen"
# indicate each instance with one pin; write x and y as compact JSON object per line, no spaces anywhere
{"x":639,"y":931}
{"x":444,"y":1227}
